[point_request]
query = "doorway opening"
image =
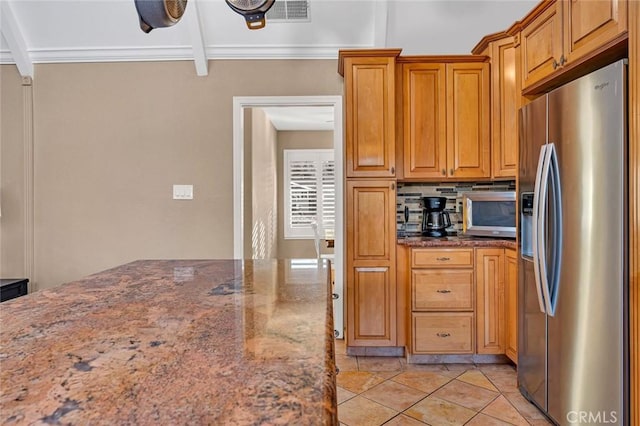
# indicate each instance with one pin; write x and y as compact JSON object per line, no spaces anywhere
{"x":246,"y":235}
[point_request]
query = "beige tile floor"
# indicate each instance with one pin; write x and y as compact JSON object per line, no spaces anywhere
{"x":383,"y":390}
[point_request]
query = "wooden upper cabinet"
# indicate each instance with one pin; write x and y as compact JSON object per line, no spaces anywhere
{"x":589,"y":24}
{"x":424,"y":125}
{"x":446,"y":119}
{"x":369,"y":86}
{"x":559,"y":33}
{"x":541,"y":43}
{"x":468,"y":120}
{"x":505,"y":101}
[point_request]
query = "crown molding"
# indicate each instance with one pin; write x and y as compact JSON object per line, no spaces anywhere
{"x":178,"y":53}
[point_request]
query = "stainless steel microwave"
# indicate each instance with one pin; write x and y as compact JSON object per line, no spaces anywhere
{"x":489,"y":213}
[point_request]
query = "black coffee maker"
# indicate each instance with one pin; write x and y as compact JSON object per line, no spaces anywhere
{"x":434,"y":219}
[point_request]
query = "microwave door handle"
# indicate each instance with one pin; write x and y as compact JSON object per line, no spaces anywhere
{"x":535,"y":227}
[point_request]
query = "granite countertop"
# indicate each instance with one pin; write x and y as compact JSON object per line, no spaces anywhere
{"x":456,"y":241}
{"x":173,"y":342}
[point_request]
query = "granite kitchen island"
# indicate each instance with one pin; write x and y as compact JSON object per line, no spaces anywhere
{"x":173,"y":342}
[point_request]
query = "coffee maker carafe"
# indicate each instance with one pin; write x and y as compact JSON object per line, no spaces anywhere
{"x":434,"y":219}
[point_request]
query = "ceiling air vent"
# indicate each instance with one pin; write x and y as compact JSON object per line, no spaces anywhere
{"x":289,"y":11}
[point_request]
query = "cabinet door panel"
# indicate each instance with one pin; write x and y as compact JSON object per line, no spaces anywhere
{"x":541,"y":44}
{"x":424,"y":105}
{"x":468,"y":140}
{"x":505,"y":102}
{"x":372,"y":307}
{"x":370,"y":117}
{"x":370,"y":220}
{"x":511,"y":302}
{"x":591,"y":23}
{"x":490,"y":301}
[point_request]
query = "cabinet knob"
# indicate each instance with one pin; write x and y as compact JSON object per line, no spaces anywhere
{"x":393,"y":170}
{"x":443,"y":334}
{"x":451,"y":172}
{"x":444,"y":172}
{"x":443,"y":259}
{"x":393,"y":186}
{"x":443,"y":291}
{"x":563,"y":60}
{"x":555,"y":64}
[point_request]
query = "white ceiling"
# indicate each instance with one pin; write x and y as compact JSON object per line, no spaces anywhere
{"x":45,"y":31}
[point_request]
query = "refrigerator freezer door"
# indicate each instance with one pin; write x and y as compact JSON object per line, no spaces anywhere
{"x":532,"y":325}
{"x":586,"y":355}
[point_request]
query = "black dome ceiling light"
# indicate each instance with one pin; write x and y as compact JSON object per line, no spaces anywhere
{"x":159,"y":13}
{"x":252,"y":10}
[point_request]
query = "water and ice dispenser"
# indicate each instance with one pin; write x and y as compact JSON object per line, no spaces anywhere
{"x":526,"y":225}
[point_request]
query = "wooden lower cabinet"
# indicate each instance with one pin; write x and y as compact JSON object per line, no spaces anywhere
{"x":463,"y":301}
{"x":371,"y":263}
{"x":442,"y":301}
{"x":490,"y":300}
{"x":371,"y":312}
{"x":511,"y":304}
{"x":446,"y":332}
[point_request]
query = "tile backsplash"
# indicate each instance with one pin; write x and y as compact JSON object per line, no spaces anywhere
{"x":409,"y":195}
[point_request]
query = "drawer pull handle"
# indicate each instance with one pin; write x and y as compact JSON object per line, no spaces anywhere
{"x":443,"y":291}
{"x":443,"y":259}
{"x":443,"y":334}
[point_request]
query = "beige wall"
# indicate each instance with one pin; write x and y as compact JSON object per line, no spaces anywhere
{"x":12,"y":169}
{"x":111,"y":139}
{"x":290,"y":248}
{"x":264,"y":217}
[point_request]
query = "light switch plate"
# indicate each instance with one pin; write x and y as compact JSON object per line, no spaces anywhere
{"x":183,"y":192}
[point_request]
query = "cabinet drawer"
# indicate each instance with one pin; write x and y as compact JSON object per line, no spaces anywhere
{"x":442,"y":289}
{"x":446,"y":333}
{"x":445,"y":258}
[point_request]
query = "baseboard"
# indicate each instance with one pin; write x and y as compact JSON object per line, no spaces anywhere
{"x":391,"y":351}
{"x":457,"y":359}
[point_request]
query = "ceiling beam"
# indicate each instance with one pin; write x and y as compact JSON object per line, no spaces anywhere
{"x":380,"y":23}
{"x":197,"y":39}
{"x":12,"y":33}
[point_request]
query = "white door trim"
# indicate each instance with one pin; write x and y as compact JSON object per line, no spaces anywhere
{"x":240,"y":102}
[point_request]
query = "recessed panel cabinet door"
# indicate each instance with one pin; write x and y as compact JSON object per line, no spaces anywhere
{"x":490,"y":300}
{"x":511,"y":304}
{"x":541,"y":45}
{"x":424,"y":120}
{"x":370,"y":116}
{"x":371,"y":220}
{"x":588,"y":24}
{"x":371,"y":313}
{"x":468,"y":120}
{"x":505,"y":103}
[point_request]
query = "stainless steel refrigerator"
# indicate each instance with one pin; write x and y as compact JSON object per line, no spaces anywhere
{"x":573,"y":272}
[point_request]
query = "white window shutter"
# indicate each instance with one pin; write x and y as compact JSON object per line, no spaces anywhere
{"x":309,"y":187}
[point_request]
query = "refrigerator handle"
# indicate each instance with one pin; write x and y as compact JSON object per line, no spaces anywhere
{"x":542,"y":227}
{"x":535,"y":227}
{"x":554,"y":284}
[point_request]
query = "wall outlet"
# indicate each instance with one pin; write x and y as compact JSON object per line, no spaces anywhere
{"x":183,"y":192}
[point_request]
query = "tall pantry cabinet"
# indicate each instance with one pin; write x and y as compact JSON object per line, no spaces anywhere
{"x":370,"y":137}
